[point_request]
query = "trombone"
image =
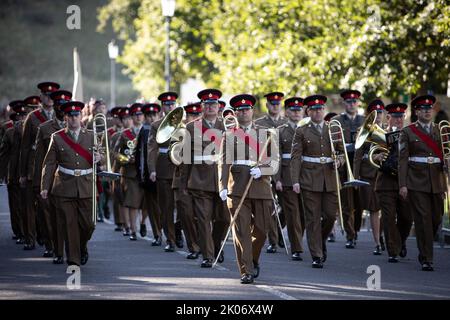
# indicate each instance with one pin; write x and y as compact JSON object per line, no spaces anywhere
{"x":444,"y":131}
{"x":100,"y":137}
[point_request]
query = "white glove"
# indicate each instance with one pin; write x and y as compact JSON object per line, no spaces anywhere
{"x":223,"y":194}
{"x":255,"y":172}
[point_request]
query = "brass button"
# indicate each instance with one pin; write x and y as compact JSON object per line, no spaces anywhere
{"x":78,"y":163}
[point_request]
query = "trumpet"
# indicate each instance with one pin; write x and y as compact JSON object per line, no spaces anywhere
{"x":100,"y":130}
{"x":336,"y":137}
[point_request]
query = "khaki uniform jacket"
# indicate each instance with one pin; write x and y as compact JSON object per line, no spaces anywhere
{"x":203,"y":176}
{"x":286,"y":136}
{"x":235,"y":177}
{"x":362,"y":168}
{"x":28,"y":147}
{"x":309,"y":142}
{"x":44,"y":135}
{"x":268,"y":122}
{"x":60,"y":153}
{"x":415,"y":176}
{"x":10,"y":152}
{"x":5,"y":126}
{"x":127,"y":170}
{"x":159,"y":162}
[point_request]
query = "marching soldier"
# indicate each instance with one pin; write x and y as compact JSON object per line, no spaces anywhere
{"x":183,"y":199}
{"x":273,"y":120}
{"x":222,"y":105}
{"x":312,"y":173}
{"x":67,"y":175}
{"x":118,"y":113}
{"x":291,"y":202}
{"x":239,"y":155}
{"x":133,"y":195}
{"x":26,"y":165}
{"x":396,"y":213}
{"x":151,"y":207}
{"x":161,"y":170}
{"x":421,"y":176}
{"x":53,"y":221}
{"x":350,"y":121}
{"x":9,"y":157}
{"x":202,"y":178}
{"x":364,"y":170}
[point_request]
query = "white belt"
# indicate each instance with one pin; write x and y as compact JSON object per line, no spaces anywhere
{"x":163,"y":150}
{"x":317,"y":159}
{"x":211,"y":157}
{"x":286,"y":156}
{"x":76,"y":172}
{"x":429,"y":160}
{"x":249,"y":163}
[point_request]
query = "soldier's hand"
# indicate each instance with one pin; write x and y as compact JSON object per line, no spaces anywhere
{"x":223,"y":194}
{"x":403,"y":192}
{"x":97,"y":157}
{"x":336,"y":164}
{"x":153,"y":176}
{"x":296,"y":188}
{"x":44,"y":194}
{"x":255,"y":172}
{"x":279,"y":186}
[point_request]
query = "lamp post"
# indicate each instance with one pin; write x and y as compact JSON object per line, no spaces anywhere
{"x":168,"y":9}
{"x":113,"y":51}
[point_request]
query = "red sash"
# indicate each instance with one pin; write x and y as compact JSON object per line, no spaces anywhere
{"x":111,"y":131}
{"x":427,"y":140}
{"x":76,"y":147}
{"x":129,"y":135}
{"x":40,"y":117}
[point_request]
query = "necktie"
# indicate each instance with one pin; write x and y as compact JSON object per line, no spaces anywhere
{"x":319,"y":128}
{"x":74,"y":135}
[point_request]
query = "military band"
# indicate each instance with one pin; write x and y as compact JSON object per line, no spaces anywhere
{"x":223,"y":184}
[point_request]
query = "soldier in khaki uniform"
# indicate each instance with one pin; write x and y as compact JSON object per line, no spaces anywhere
{"x":53,"y":221}
{"x":67,"y":174}
{"x":291,"y":202}
{"x":202,"y":175}
{"x":350,"y":121}
{"x":9,"y":158}
{"x":161,"y":170}
{"x":396,"y":213}
{"x":239,"y":156}
{"x":133,"y":194}
{"x":26,"y":166}
{"x":183,"y":199}
{"x":274,"y":119}
{"x":312,"y":173}
{"x":119,"y":115}
{"x":421,"y":176}
{"x":151,"y":206}
{"x":365,"y":171}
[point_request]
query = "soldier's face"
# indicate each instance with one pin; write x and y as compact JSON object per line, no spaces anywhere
{"x":316,"y":115}
{"x":168,"y":107}
{"x":396,"y":122}
{"x":73,"y":121}
{"x":424,"y":114}
{"x":245,"y":115}
{"x":379,"y":118}
{"x":351,"y":106}
{"x":138,"y":119}
{"x":273,"y":108}
{"x":101,"y":109}
{"x":46,"y":101}
{"x":152,"y":117}
{"x":294,"y":115}
{"x":210,"y":109}
{"x":191,"y":117}
{"x":127,"y":122}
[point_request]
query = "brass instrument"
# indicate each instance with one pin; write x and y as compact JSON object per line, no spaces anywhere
{"x":128,"y":154}
{"x":444,"y":131}
{"x":100,"y":139}
{"x":304,"y":122}
{"x":173,"y":128}
{"x":336,"y":137}
{"x":229,"y":118}
{"x":371,"y":132}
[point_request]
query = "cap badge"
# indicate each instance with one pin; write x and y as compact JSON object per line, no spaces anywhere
{"x":317,"y":101}
{"x":210,"y":95}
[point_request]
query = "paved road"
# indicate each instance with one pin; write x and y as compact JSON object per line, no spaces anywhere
{"x":121,"y":269}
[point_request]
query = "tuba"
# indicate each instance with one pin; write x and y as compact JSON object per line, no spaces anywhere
{"x":101,"y":145}
{"x":371,"y":132}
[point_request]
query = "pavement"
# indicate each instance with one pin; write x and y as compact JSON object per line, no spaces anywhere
{"x":122,"y":269}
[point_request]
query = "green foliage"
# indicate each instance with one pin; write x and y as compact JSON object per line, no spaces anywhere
{"x":299,"y":47}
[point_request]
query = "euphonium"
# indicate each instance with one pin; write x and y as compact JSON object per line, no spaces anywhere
{"x":172,"y":128}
